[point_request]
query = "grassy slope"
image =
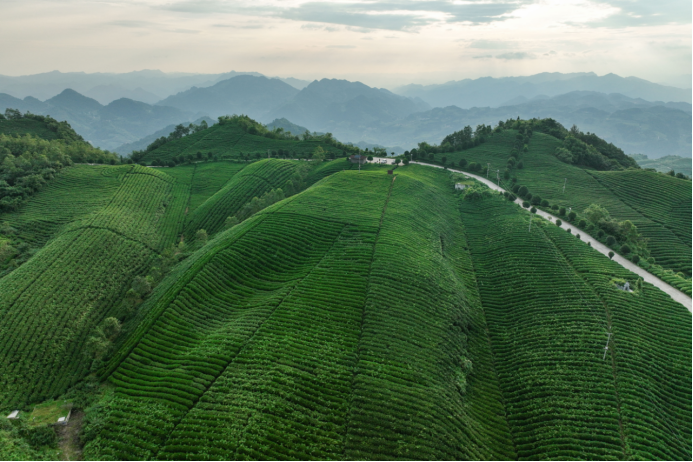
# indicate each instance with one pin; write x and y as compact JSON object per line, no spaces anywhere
{"x":549,"y":304}
{"x":330,"y":325}
{"x":27,"y":126}
{"x":545,"y":175}
{"x":98,"y":227}
{"x":230,"y":140}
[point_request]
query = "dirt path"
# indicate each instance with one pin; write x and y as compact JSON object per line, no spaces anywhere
{"x":674,"y":293}
{"x":68,"y":437}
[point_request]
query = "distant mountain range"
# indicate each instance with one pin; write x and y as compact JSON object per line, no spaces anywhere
{"x":121,"y":121}
{"x":634,"y":125}
{"x":494,"y":92}
{"x":148,"y":86}
{"x":354,"y":112}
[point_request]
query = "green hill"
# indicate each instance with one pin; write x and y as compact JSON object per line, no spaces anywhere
{"x":659,"y":205}
{"x":376,"y":317}
{"x":86,"y":237}
{"x":237,"y":137}
{"x":44,"y":127}
{"x":284,"y":309}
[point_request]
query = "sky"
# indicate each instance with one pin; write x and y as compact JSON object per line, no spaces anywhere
{"x":382,"y":43}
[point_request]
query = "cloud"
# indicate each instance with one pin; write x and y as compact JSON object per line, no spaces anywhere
{"x":645,"y":13}
{"x":387,"y":14}
{"x":515,"y":55}
{"x":489,"y":44}
{"x":129,"y":23}
{"x":482,"y":57}
{"x":240,"y":26}
{"x":341,"y":46}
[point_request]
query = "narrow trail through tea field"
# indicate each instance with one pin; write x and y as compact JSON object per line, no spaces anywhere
{"x":674,"y":293}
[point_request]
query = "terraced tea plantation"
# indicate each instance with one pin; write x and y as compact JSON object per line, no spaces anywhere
{"x":350,"y":315}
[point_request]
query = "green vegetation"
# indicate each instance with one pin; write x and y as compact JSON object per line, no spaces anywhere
{"x":33,"y":149}
{"x":548,"y":322}
{"x":660,"y":214}
{"x":237,"y":137}
{"x":283,"y":308}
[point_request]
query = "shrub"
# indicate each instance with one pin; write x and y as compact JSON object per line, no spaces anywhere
{"x":610,"y":240}
{"x":578,"y":236}
{"x":463,"y":162}
{"x":582,"y":223}
{"x":516,"y":189}
{"x":528,"y":196}
{"x":520,"y":165}
{"x":562,"y":211}
{"x":554,"y":207}
{"x":572,"y":216}
{"x":473,"y":167}
{"x":625,"y":249}
{"x":525,"y":204}
{"x":522,"y":192}
{"x":635,"y":259}
{"x":544,"y":203}
{"x":569,"y":230}
{"x":533,"y":210}
{"x":651,"y":260}
{"x":611,"y":255}
{"x":600,"y":233}
{"x":559,"y":222}
{"x":536,"y":200}
{"x":589,"y":244}
{"x":512,"y":197}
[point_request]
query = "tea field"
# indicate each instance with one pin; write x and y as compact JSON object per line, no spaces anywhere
{"x":659,"y":205}
{"x":355,"y":315}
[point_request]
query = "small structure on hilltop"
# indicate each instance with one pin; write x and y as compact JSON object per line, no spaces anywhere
{"x":460,"y":186}
{"x":357,"y":159}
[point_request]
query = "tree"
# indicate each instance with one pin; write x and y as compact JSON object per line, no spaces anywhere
{"x":463,"y":162}
{"x":536,"y":200}
{"x":369,"y":158}
{"x":201,"y":236}
{"x":572,"y":216}
{"x":523,"y":191}
{"x":533,"y":210}
{"x":199,"y":155}
{"x":635,"y":259}
{"x":443,"y":160}
{"x":111,"y":328}
{"x":230,"y":222}
{"x":625,"y":249}
{"x":559,"y":223}
{"x":544,"y":203}
{"x":562,"y":211}
{"x":319,"y":154}
{"x":582,"y":223}
{"x":610,"y":240}
{"x":142,"y":286}
{"x":554,"y":207}
{"x":596,"y":213}
{"x":611,"y":255}
{"x":405,"y":161}
{"x":396,"y":161}
{"x":209,"y":155}
{"x":525,"y":204}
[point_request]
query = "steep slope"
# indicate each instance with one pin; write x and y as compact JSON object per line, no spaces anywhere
{"x":318,"y":339}
{"x":552,"y":305}
{"x":544,"y":175}
{"x":254,"y":96}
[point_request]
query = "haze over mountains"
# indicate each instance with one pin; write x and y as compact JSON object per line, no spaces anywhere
{"x":640,"y":116}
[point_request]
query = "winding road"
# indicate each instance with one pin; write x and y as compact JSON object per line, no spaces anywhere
{"x":674,"y":293}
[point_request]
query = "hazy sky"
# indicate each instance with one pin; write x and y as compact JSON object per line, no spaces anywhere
{"x":382,"y":43}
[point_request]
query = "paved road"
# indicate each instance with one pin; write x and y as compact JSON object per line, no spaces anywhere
{"x":674,"y":293}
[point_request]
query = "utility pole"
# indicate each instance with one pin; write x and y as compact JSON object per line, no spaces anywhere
{"x":566,"y":180}
{"x":606,"y":348}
